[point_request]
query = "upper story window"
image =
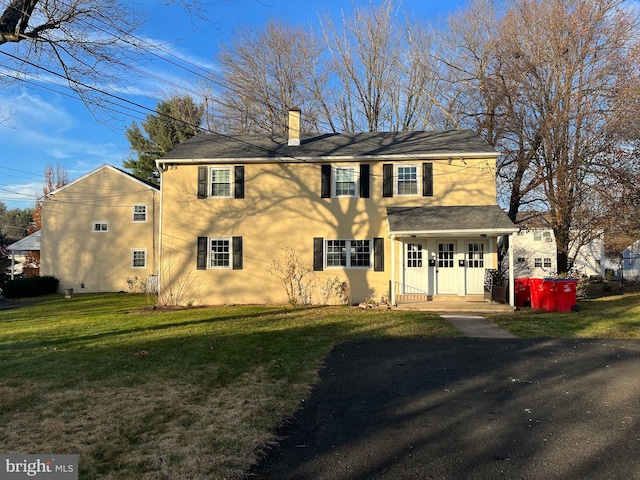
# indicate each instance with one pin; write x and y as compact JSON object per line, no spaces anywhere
{"x":407,"y":180}
{"x":221,"y":181}
{"x":139,"y":213}
{"x":100,"y":227}
{"x":401,"y":180}
{"x":346,"y":180}
{"x":540,"y":235}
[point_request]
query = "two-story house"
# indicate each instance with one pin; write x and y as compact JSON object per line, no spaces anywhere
{"x":100,"y":233}
{"x":535,"y":250}
{"x":396,"y":213}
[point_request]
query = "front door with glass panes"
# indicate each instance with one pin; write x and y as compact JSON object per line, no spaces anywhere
{"x":476,"y":258}
{"x":415,"y":268}
{"x":446,"y":268}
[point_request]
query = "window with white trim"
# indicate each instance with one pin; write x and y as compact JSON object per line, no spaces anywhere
{"x":220,"y":182}
{"x":100,"y":227}
{"x":414,"y":255}
{"x":139,"y":213}
{"x":407,"y":180}
{"x":348,"y":253}
{"x":547,"y":262}
{"x":345,"y":182}
{"x":537,"y":262}
{"x":139,"y":258}
{"x":219,"y":253}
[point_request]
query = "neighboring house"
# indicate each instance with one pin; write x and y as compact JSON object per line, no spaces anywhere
{"x":100,"y":232}
{"x":18,"y":251}
{"x":405,"y":215}
{"x":535,"y":250}
{"x":631,"y":262}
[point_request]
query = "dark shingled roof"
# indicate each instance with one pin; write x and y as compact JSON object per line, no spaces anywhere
{"x":237,"y":147}
{"x":490,"y":218}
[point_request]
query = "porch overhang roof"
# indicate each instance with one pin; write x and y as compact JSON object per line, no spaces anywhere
{"x":447,"y":221}
{"x":27,"y":244}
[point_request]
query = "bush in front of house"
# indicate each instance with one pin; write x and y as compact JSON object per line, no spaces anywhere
{"x":30,"y":287}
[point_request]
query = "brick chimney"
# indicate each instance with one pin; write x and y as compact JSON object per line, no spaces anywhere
{"x":294,"y":127}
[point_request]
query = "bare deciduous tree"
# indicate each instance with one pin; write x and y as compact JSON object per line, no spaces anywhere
{"x":267,"y":71}
{"x":548,"y":77}
{"x":87,"y":43}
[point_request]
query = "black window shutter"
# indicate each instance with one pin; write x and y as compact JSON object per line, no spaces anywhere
{"x":202,"y":253}
{"x":325,"y":191}
{"x":237,"y":253}
{"x":238,"y":187}
{"x":387,"y":180}
{"x":427,"y":179}
{"x":378,"y":254}
{"x":364,"y":180}
{"x":318,"y":254}
{"x":202,"y":182}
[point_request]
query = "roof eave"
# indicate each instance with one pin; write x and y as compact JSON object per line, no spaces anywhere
{"x":455,"y":233}
{"x":327,"y":158}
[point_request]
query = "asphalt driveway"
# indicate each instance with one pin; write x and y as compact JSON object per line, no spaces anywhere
{"x":468,"y":408}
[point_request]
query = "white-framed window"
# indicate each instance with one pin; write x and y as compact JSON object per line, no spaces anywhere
{"x":521,"y":260}
{"x":220,"y":182}
{"x":100,"y":227}
{"x":219,"y":253}
{"x":345,"y":181}
{"x":537,"y":262}
{"x":349,"y":253}
{"x":540,"y":235}
{"x":139,"y":213}
{"x":407,"y":180}
{"x":547,"y":262}
{"x":139,"y":258}
{"x":414,"y":255}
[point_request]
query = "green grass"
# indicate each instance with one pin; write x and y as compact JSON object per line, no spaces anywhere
{"x":616,"y":316}
{"x":180,"y":394}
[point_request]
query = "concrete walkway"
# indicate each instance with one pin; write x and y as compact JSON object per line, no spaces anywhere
{"x":475,"y":326}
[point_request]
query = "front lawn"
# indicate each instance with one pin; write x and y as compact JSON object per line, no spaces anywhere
{"x":185,"y":394}
{"x":615,"y":316}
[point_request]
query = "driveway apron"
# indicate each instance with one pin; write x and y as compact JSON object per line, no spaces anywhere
{"x":467,"y":408}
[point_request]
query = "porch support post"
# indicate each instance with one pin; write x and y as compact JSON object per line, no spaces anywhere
{"x":512,"y":299}
{"x":13,"y":263}
{"x":393,"y":270}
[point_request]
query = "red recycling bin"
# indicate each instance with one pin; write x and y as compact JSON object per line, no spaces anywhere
{"x":523,"y":292}
{"x":548,"y":295}
{"x":566,"y":294}
{"x":535,"y":290}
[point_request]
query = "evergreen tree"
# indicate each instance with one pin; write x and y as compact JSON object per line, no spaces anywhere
{"x":175,"y":121}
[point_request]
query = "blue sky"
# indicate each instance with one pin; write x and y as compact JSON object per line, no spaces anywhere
{"x":49,"y":128}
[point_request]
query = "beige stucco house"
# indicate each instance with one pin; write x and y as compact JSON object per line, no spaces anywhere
{"x":404,"y":215}
{"x":100,"y":233}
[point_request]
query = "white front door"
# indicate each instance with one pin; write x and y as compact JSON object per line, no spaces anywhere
{"x":446,"y":268}
{"x":476,"y":256}
{"x":415,"y":268}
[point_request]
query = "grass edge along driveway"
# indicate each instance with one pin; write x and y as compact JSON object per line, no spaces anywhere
{"x":185,"y":394}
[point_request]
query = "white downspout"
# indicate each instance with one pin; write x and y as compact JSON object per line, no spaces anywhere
{"x":393,"y":269}
{"x":512,"y":299}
